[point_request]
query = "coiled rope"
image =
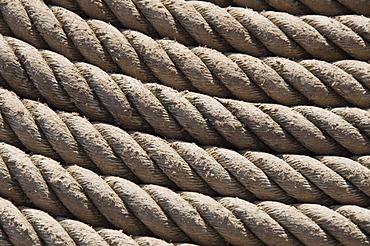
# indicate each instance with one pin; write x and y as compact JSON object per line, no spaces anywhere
{"x":185,"y":216}
{"x":209,"y":170}
{"x":297,"y":7}
{"x":195,"y":117}
{"x":247,"y":78}
{"x":243,"y":30}
{"x":28,"y":226}
{"x":210,"y":121}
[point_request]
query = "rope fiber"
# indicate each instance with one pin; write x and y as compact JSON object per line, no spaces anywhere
{"x":296,"y":7}
{"x":190,"y":116}
{"x":273,"y":79}
{"x":148,"y":159}
{"x":25,"y":226}
{"x":178,"y":217}
{"x":231,"y":29}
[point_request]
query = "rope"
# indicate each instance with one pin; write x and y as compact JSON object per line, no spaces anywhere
{"x":210,"y":170}
{"x":188,"y":216}
{"x":243,"y":30}
{"x":240,"y":76}
{"x":190,"y":116}
{"x":296,"y":7}
{"x":209,"y":121}
{"x":28,"y":226}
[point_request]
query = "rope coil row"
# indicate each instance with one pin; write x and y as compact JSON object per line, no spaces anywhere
{"x":190,"y":116}
{"x":243,"y":30}
{"x":210,"y":170}
{"x":183,"y":216}
{"x":296,"y":7}
{"x":247,"y":78}
{"x":28,"y":226}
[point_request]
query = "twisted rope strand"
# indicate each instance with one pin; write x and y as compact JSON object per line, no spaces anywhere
{"x":194,"y":217}
{"x":243,"y":30}
{"x":22,"y":224}
{"x":244,"y":77}
{"x":296,"y":7}
{"x":209,"y":170}
{"x":211,"y":121}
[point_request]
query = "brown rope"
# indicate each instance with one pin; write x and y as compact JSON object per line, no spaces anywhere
{"x":243,"y":30}
{"x":297,"y":7}
{"x":188,"y":216}
{"x":206,"y":120}
{"x":210,"y":170}
{"x":42,"y":72}
{"x":28,"y":226}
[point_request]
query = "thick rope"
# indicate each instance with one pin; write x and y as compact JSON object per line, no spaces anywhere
{"x":296,"y":7}
{"x":243,"y":30}
{"x":28,"y":226}
{"x":42,"y":72}
{"x":209,"y":121}
{"x":117,"y":95}
{"x":210,"y":170}
{"x":188,"y":216}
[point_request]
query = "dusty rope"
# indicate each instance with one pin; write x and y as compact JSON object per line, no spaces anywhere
{"x":191,"y":116}
{"x":189,"y":216}
{"x":242,"y":76}
{"x":28,"y":226}
{"x":223,"y":29}
{"x":210,"y":170}
{"x":297,"y":7}
{"x":206,"y":120}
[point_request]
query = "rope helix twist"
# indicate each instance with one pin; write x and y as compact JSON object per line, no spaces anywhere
{"x":296,"y":7}
{"x":147,"y":159}
{"x":231,"y":29}
{"x":25,"y":226}
{"x":209,"y":121}
{"x":183,"y":216}
{"x":273,"y":79}
{"x":184,"y":115}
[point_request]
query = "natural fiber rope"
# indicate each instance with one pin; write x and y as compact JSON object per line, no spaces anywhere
{"x":184,"y":216}
{"x":210,"y":170}
{"x":220,"y":122}
{"x":244,"y":30}
{"x":27,"y":226}
{"x":280,"y":80}
{"x":297,"y":7}
{"x":187,"y":116}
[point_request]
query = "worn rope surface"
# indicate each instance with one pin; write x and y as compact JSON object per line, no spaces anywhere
{"x":209,"y":121}
{"x":297,"y":7}
{"x":240,"y":76}
{"x":27,"y":226}
{"x":243,"y":30}
{"x":184,"y":216}
{"x":214,"y":171}
{"x":191,"y":116}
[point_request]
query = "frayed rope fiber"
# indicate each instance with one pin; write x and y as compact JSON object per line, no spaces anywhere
{"x":273,"y":79}
{"x":296,"y":7}
{"x":209,"y":121}
{"x":194,"y":142}
{"x":23,"y":226}
{"x":214,"y":171}
{"x":176,"y":217}
{"x":231,"y":29}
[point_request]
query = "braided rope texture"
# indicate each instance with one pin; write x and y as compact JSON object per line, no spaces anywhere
{"x":296,"y":7}
{"x":180,"y":165}
{"x":184,"y":115}
{"x":25,"y":226}
{"x":150,"y":187}
{"x":176,"y":217}
{"x":342,"y":83}
{"x":231,"y":29}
